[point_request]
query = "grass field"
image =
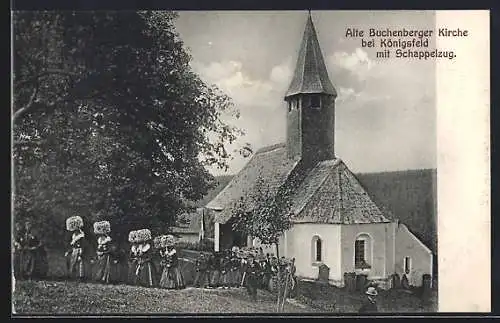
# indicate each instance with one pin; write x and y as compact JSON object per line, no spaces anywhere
{"x":60,"y":297}
{"x":42,"y":297}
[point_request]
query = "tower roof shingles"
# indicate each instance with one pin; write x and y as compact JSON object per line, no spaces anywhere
{"x":311,"y":75}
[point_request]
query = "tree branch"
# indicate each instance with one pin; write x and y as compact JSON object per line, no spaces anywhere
{"x":46,"y":72}
{"x":27,"y":107}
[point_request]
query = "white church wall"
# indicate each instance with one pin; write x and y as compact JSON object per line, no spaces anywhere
{"x":378,"y":249}
{"x":420,"y":257}
{"x":299,"y":244}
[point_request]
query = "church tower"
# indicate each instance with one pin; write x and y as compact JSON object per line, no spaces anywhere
{"x":311,"y":104}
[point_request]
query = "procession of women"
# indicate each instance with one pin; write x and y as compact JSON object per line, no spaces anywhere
{"x":152,"y":262}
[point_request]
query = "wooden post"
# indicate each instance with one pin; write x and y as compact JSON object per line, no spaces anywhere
{"x":285,"y":292}
{"x":278,"y":288}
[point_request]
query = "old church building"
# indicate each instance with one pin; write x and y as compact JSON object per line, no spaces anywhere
{"x":336,"y":224}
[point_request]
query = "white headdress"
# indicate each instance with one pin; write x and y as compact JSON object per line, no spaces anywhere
{"x":73,"y":223}
{"x":102,"y":227}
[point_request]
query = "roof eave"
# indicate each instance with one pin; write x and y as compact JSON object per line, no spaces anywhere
{"x":297,"y":92}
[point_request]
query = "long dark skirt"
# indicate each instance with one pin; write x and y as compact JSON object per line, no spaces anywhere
{"x":202,"y":279}
{"x":265,"y":280}
{"x":172,"y":278}
{"x":33,"y":263}
{"x":251,"y":283}
{"x":273,"y":284}
{"x":236,"y":277}
{"x":215,"y":276}
{"x":106,"y":270}
{"x":76,"y":265}
{"x":131,"y":272}
{"x":146,"y":274}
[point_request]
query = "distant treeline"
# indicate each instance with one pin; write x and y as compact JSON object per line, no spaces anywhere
{"x":409,"y":196}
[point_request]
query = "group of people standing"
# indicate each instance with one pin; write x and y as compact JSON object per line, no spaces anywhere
{"x":108,"y":265}
{"x":244,"y":268}
{"x":150,"y":262}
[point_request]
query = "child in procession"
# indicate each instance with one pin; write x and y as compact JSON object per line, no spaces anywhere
{"x":201,"y":266}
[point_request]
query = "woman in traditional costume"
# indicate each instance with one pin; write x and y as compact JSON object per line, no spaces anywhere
{"x":273,"y":282}
{"x":145,"y":272}
{"x":202,"y":278}
{"x":214,"y":268}
{"x":225,"y":277}
{"x":33,"y":258}
{"x":106,"y":267}
{"x":76,"y":252}
{"x":243,"y":256}
{"x":133,"y":258}
{"x":236,"y":273}
{"x":251,"y":277}
{"x":171,"y":277}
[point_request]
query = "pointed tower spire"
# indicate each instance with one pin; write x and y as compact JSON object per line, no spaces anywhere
{"x":311,"y":104}
{"x":310,"y":74}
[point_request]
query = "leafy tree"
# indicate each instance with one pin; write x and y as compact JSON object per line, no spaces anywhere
{"x":269,"y":218}
{"x":109,"y":119}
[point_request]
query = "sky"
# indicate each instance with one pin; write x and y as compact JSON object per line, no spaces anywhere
{"x":385,"y":109}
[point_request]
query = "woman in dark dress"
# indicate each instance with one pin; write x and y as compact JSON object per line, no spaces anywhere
{"x":33,"y":255}
{"x":251,"y":277}
{"x":133,"y":258}
{"x":226,"y":270}
{"x":243,"y":267}
{"x":106,"y":267}
{"x":77,"y":248}
{"x":273,"y":282}
{"x":202,"y":278}
{"x":236,"y":273}
{"x":215,"y":270}
{"x":267,"y":272}
{"x":145,"y":272}
{"x":171,"y":277}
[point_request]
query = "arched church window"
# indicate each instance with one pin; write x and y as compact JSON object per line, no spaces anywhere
{"x":317,"y":249}
{"x":407,"y":265}
{"x":363,"y":252}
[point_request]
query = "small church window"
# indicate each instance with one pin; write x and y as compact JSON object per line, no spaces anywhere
{"x":361,"y":252}
{"x":317,"y":249}
{"x":315,"y":102}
